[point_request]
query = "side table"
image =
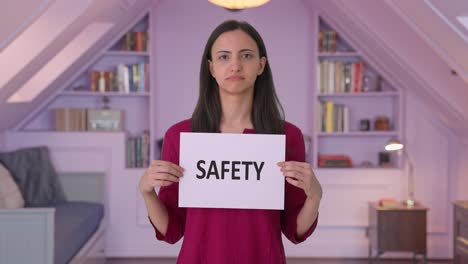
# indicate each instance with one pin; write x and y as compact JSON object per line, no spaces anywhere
{"x":397,"y":228}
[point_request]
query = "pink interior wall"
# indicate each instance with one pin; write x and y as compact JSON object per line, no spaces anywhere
{"x":441,"y":170}
{"x":181,"y":31}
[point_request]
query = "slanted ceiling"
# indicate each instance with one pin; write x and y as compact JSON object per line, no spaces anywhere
{"x":119,"y":13}
{"x":404,"y":52}
{"x":412,"y":43}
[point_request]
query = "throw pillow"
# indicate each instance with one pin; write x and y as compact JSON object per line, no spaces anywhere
{"x":37,"y":179}
{"x":10,"y":195}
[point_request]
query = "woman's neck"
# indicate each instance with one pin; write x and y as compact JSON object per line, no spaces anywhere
{"x":237,"y":112}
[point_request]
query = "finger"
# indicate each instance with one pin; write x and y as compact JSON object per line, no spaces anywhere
{"x":294,"y":182}
{"x":298,"y":164}
{"x":163,"y":183}
{"x":166,"y":169}
{"x":164,"y":176}
{"x":292,"y":167}
{"x":297,"y":169}
{"x":294,"y":174}
{"x":167,"y":163}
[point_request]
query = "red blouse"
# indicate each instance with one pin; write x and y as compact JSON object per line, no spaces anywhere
{"x":228,"y":236}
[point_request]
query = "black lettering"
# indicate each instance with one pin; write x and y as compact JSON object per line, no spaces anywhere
{"x":213,"y":170}
{"x":234,"y":169}
{"x":202,"y":170}
{"x":223,"y":168}
{"x":259,"y":169}
{"x":247,"y":164}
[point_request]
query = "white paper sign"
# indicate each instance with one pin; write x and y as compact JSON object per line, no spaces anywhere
{"x":231,"y":171}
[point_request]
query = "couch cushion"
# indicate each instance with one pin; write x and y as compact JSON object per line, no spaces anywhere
{"x":10,"y":195}
{"x":75,"y":223}
{"x":37,"y":180}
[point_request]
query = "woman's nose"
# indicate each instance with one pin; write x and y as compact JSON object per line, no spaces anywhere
{"x":236,"y":65}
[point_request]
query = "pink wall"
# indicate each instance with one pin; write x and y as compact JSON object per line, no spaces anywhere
{"x":440,"y":158}
{"x":180,"y":36}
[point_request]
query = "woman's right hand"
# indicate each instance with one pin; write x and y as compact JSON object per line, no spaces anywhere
{"x":160,"y":173}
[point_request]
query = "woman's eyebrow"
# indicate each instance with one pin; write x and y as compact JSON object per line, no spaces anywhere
{"x":242,"y":50}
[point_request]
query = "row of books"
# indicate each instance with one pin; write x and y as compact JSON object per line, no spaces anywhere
{"x":126,"y":78}
{"x":134,"y":41}
{"x":85,"y":119}
{"x":138,"y":151}
{"x":332,"y":117}
{"x":327,"y":41}
{"x":340,"y":77}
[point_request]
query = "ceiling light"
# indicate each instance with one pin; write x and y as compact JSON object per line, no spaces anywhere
{"x":238,"y":4}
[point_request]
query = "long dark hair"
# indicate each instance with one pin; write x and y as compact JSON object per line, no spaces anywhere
{"x":267,"y":112}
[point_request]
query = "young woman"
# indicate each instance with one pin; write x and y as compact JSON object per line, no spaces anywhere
{"x":237,"y":95}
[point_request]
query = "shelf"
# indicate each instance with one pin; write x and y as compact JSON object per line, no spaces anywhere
{"x":360,"y":94}
{"x":135,"y":170}
{"x":339,"y":54}
{"x":126,"y":53}
{"x":85,"y":132}
{"x":359,"y":134}
{"x":87,"y":93}
{"x":369,"y":169}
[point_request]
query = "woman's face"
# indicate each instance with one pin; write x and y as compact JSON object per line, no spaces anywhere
{"x":235,"y":62}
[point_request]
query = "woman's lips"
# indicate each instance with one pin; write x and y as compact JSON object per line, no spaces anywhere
{"x":235,"y":78}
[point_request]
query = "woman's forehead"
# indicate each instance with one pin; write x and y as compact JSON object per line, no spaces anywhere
{"x":234,"y":41}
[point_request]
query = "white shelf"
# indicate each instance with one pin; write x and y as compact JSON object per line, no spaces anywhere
{"x":139,"y":171}
{"x":381,"y":98}
{"x":126,"y":53}
{"x":339,"y":54}
{"x":88,"y":93}
{"x":359,"y":94}
{"x":358,"y":134}
{"x":369,"y":169}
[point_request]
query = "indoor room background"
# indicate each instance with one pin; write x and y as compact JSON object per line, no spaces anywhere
{"x":425,"y":103}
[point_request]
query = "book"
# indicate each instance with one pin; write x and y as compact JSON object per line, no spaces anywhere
{"x":389,"y":203}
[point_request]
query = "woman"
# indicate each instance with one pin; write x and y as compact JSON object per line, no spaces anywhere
{"x":237,"y":95}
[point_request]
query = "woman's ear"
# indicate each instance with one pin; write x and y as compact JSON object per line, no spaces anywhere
{"x":262,"y":65}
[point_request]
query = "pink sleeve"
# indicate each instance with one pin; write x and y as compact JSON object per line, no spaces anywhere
{"x":294,"y":197}
{"x":169,"y":195}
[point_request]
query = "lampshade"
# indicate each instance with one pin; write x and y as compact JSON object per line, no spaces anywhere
{"x":394,"y":144}
{"x":238,"y":4}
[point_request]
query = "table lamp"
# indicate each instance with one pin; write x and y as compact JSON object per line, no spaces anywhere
{"x":396,"y":145}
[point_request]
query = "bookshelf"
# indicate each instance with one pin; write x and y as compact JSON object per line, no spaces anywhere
{"x":116,"y":81}
{"x":356,"y":109}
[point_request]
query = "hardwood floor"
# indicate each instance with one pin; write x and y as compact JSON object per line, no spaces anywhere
{"x":290,"y":261}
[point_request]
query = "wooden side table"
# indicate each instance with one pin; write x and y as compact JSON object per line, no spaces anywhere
{"x":397,"y":228}
{"x":460,"y":232}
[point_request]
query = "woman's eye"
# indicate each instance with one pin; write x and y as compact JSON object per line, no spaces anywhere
{"x":247,"y":56}
{"x":223,"y":57}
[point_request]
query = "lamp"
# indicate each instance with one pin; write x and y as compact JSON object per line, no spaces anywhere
{"x":238,"y":4}
{"x":396,"y":145}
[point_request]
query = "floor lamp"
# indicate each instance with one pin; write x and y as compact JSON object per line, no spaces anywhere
{"x":396,"y":145}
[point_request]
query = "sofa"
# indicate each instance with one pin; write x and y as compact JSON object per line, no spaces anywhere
{"x":49,"y":217}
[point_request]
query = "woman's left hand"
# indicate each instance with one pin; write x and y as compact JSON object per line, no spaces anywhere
{"x":300,"y":174}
